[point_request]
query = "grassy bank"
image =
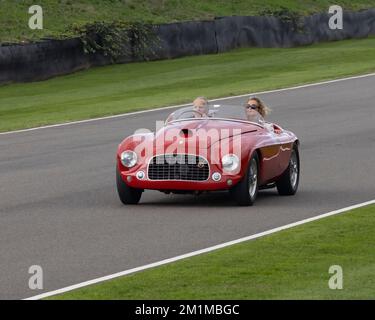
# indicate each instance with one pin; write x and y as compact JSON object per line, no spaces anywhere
{"x":121,"y":88}
{"x":60,"y":14}
{"x":292,"y":264}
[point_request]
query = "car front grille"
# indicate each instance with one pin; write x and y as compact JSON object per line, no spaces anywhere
{"x":184,"y":167}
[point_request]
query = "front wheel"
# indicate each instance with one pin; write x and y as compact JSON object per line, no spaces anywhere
{"x":128,"y":195}
{"x":287,"y":184}
{"x":246,"y":191}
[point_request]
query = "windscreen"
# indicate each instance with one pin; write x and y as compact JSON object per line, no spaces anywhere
{"x":214,"y":111}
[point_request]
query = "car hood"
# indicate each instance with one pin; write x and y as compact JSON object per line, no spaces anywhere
{"x":201,"y":133}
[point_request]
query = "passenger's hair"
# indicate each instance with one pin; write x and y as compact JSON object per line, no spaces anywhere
{"x":263,"y":109}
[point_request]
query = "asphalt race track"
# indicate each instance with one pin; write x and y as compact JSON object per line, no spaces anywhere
{"x":59,"y":208}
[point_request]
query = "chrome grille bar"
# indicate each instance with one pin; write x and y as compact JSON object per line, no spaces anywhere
{"x":183,"y":167}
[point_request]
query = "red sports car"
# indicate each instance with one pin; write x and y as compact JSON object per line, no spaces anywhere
{"x":194,"y":153}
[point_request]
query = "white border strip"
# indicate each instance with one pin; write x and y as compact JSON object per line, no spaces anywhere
{"x":195,"y":253}
{"x":187,"y":104}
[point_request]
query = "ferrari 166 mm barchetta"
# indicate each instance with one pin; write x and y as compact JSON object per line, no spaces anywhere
{"x":192,"y":153}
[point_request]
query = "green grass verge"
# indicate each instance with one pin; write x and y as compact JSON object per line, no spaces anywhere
{"x":59,"y":14}
{"x":291,"y":264}
{"x":122,"y":88}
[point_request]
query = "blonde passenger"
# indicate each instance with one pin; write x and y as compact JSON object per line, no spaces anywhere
{"x":256,"y":110}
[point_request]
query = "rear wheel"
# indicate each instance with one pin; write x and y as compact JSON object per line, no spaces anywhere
{"x":128,"y":195}
{"x":246,"y":191}
{"x":287,"y":184}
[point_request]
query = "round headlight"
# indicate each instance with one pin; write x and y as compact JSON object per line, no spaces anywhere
{"x":129,"y":158}
{"x":230,"y":162}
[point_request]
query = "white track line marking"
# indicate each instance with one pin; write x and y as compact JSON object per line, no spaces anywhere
{"x":198,"y":252}
{"x":187,"y":104}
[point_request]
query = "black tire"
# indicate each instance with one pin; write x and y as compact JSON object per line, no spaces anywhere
{"x":241,"y":192}
{"x":127,"y":194}
{"x":287,"y":184}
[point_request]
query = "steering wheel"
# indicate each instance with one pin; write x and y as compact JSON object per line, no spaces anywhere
{"x":201,"y":115}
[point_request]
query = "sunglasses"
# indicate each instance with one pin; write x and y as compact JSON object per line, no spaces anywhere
{"x":251,"y":106}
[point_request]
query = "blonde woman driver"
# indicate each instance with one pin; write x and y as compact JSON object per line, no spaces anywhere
{"x":201,"y":108}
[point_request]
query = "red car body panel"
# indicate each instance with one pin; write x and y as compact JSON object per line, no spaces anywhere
{"x":273,"y":147}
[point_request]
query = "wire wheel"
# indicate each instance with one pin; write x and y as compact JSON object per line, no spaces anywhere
{"x":253,"y":178}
